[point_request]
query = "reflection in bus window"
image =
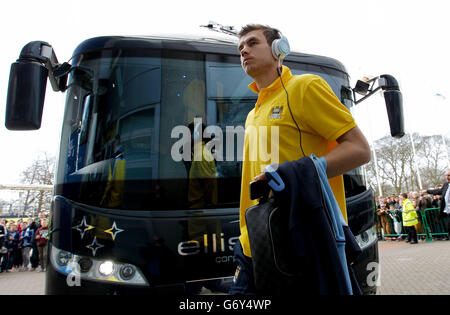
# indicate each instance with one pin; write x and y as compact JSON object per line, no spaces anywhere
{"x":202,"y":191}
{"x":140,"y":99}
{"x":113,"y":195}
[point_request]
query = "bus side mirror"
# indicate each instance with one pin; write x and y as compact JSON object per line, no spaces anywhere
{"x":394,"y":104}
{"x":394,"y":107}
{"x":392,"y":98}
{"x":26,"y":93}
{"x":28,"y":82}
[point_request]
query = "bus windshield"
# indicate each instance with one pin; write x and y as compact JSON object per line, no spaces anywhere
{"x":125,"y":126}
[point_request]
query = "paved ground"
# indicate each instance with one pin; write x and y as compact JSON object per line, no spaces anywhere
{"x":428,"y":265}
{"x":22,"y":283}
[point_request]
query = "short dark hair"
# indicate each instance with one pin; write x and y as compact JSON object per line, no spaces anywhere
{"x":269,"y":32}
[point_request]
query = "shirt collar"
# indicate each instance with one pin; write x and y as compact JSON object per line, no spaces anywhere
{"x":285,"y":75}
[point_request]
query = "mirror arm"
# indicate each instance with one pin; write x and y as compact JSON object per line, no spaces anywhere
{"x":371,"y":92}
{"x":385,"y":82}
{"x":43,"y":53}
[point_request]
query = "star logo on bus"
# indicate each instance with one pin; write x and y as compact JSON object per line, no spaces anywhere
{"x":83,"y":227}
{"x":114,"y":230}
{"x":95,"y":246}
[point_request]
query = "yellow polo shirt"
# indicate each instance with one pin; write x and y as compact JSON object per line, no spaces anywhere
{"x":320,"y":116}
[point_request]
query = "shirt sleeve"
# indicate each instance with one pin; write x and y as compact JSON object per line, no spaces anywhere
{"x":323,"y":112}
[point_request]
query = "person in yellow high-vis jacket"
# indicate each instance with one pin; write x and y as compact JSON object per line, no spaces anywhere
{"x":409,"y":216}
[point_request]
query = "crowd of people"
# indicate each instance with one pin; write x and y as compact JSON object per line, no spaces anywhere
{"x":23,"y":244}
{"x":403,"y":214}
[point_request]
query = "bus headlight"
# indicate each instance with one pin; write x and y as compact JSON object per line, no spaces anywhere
{"x":88,"y":268}
{"x":85,"y":264}
{"x":63,"y":258}
{"x":367,"y":238}
{"x":106,"y":268}
{"x":127,"y":272}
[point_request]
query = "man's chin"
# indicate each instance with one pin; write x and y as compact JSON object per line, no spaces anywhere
{"x":251,"y":71}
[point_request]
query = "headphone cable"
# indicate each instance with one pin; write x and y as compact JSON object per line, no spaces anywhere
{"x":290,"y":111}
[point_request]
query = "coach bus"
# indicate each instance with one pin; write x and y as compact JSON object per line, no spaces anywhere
{"x":129,"y":214}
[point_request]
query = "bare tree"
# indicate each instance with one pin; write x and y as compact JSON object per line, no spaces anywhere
{"x":397,"y":167}
{"x":393,"y":157}
{"x":433,"y":160}
{"x":3,"y":207}
{"x":40,"y":172}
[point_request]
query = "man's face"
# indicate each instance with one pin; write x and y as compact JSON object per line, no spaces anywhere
{"x":447,"y":175}
{"x":256,"y":54}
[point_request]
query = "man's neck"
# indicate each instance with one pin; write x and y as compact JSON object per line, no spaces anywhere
{"x":266,"y":79}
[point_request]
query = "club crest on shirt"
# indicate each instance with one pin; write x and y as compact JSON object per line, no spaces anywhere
{"x":276,"y":112}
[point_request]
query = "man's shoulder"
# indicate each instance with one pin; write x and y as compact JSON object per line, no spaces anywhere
{"x":305,"y":78}
{"x":251,"y":112}
{"x":302,"y":82}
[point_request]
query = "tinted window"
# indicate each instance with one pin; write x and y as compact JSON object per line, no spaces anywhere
{"x":120,"y":141}
{"x":131,"y":121}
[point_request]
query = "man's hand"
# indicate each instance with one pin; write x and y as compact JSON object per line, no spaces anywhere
{"x":262,"y":176}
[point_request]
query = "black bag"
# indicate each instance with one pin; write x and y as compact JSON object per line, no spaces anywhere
{"x":275,"y":266}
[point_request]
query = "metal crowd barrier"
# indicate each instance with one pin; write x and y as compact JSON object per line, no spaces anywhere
{"x":436,"y":225}
{"x":430,"y":225}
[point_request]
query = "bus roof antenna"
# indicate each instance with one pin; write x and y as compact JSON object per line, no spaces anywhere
{"x":226,"y":29}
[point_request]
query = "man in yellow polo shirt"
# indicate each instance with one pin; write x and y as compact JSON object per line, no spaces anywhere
{"x":313,"y":122}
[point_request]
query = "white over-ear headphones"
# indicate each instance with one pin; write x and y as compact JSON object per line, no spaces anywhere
{"x":280,"y":47}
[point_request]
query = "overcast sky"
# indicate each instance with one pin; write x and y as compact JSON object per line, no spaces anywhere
{"x":408,"y":39}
